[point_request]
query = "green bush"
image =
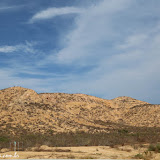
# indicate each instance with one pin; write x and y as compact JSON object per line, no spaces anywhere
{"x":147,"y":155}
{"x":158,"y":147}
{"x":155,"y":148}
{"x":139,"y":156}
{"x":123,"y":131}
{"x":151,"y":148}
{"x":4,"y":139}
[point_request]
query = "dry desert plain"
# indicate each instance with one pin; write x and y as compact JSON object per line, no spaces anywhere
{"x":86,"y":152}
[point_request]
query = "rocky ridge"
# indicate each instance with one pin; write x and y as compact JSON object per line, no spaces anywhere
{"x":23,"y":110}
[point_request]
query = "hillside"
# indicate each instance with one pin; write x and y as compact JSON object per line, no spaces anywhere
{"x":60,"y":112}
{"x":24,"y":111}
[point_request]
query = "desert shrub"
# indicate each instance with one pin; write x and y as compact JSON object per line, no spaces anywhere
{"x":62,"y":150}
{"x":147,"y":155}
{"x":4,"y":139}
{"x":87,"y":157}
{"x":139,"y":156}
{"x":123,"y":131}
{"x":158,"y":148}
{"x":120,"y":136}
{"x":151,"y":147}
{"x":155,"y":148}
{"x":71,"y":157}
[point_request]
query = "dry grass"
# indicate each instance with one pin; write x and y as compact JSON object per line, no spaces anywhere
{"x":62,"y":150}
{"x":92,"y":152}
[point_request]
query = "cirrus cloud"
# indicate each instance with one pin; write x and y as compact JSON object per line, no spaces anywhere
{"x":27,"y":47}
{"x":53,"y":12}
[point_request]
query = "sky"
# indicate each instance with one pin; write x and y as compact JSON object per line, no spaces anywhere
{"x":104,"y":48}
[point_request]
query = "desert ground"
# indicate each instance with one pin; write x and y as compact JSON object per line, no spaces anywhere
{"x":86,"y":152}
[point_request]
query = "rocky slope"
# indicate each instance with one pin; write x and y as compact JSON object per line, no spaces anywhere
{"x":23,"y":110}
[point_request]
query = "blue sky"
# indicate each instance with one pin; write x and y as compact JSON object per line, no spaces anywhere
{"x":105,"y":48}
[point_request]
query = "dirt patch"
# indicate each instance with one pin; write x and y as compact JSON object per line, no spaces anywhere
{"x":92,"y":152}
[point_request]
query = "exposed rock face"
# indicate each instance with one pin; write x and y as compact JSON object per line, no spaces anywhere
{"x":23,"y":110}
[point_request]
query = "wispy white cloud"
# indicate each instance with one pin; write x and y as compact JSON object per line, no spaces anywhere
{"x":133,"y":72}
{"x":8,"y":49}
{"x":53,"y":12}
{"x":27,"y":47}
{"x":94,"y":30}
{"x":6,"y":8}
{"x":10,"y":78}
{"x":112,"y":36}
{"x":133,"y":41}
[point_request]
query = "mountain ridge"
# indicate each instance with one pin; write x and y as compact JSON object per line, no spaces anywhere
{"x":23,"y":109}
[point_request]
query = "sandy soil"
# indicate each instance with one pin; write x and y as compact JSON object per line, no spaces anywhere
{"x":92,"y":152}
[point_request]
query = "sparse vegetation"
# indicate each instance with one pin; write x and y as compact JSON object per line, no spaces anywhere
{"x":145,"y":155}
{"x":123,"y":131}
{"x":155,"y":148}
{"x":87,"y":157}
{"x":133,"y":136}
{"x":62,"y":150}
{"x":4,"y":139}
{"x":71,"y":156}
{"x":139,"y":156}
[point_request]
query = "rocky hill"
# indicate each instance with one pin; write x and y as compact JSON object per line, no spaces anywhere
{"x":23,"y":110}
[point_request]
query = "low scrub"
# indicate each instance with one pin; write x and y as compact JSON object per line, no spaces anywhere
{"x":147,"y":155}
{"x":121,"y":136}
{"x":155,"y":148}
